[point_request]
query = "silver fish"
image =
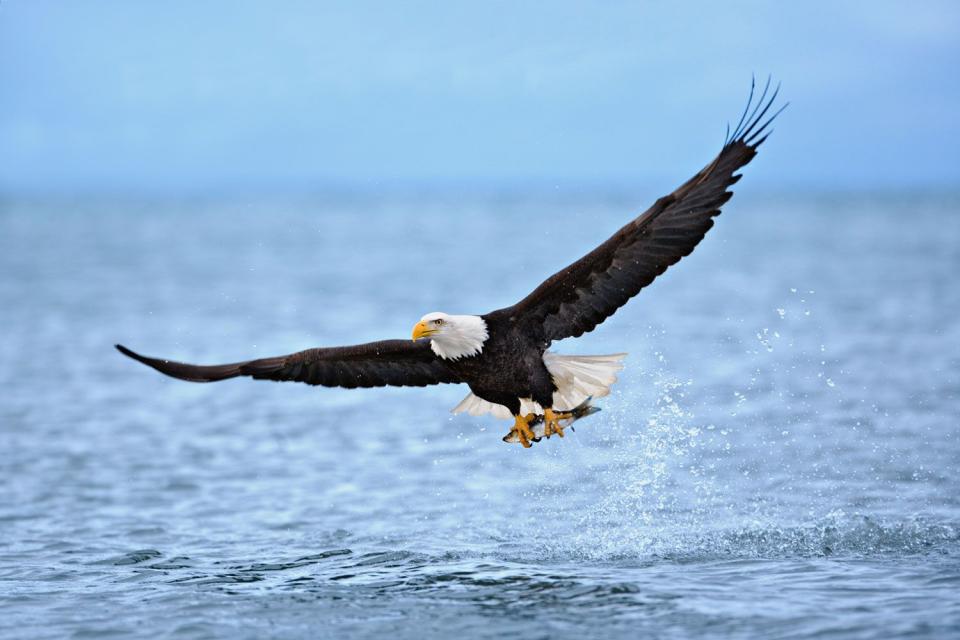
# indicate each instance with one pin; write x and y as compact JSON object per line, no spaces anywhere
{"x":582,"y":410}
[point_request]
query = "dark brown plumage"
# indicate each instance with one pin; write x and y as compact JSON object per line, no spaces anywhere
{"x":400,"y":363}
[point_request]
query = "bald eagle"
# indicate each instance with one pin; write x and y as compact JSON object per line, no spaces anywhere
{"x":503,"y":355}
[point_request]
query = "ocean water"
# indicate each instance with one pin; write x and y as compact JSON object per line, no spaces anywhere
{"x":779,"y":458}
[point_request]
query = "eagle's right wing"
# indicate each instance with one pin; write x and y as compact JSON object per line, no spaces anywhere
{"x":581,"y":296}
{"x":401,"y":363}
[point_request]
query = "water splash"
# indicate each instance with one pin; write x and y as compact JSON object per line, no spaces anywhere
{"x":648,"y":477}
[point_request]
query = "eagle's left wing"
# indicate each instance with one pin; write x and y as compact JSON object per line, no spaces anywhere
{"x":584,"y":294}
{"x":399,"y":363}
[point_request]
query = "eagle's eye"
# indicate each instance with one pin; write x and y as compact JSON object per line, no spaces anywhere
{"x":438,"y":322}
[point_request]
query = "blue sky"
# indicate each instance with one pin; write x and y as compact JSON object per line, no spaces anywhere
{"x":204,"y":96}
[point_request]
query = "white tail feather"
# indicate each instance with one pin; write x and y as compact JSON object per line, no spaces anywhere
{"x":576,"y":377}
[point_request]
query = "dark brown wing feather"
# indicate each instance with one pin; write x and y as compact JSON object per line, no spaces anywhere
{"x":401,"y":363}
{"x":581,"y":296}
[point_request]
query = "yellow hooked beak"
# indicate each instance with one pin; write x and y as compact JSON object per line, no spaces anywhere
{"x":421,"y":330}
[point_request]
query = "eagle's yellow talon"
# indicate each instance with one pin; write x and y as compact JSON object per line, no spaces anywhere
{"x":521,"y":426}
{"x":551,"y":422}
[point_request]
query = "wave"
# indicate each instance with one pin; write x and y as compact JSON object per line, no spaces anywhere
{"x":833,"y":536}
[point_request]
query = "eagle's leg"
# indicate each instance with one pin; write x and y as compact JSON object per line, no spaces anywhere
{"x":551,"y":422}
{"x":521,"y":426}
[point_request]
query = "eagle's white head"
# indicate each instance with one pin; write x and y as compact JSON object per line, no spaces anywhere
{"x":452,"y":337}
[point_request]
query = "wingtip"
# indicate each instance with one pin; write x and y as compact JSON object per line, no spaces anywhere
{"x":183,"y":371}
{"x":122,"y":349}
{"x":133,"y":354}
{"x":752,"y":124}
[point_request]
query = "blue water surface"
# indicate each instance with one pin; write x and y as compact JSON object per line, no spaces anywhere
{"x":778,"y":459}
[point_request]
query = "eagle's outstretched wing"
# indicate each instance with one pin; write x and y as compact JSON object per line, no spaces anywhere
{"x":401,"y":363}
{"x":584,"y":294}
